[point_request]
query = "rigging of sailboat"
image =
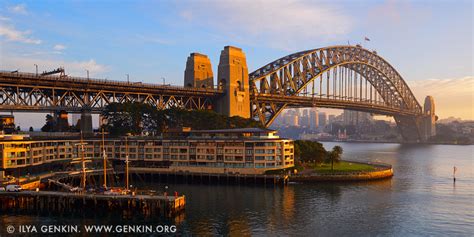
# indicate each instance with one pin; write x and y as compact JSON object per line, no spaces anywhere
{"x":104,"y":154}
{"x":83,"y":162}
{"x":127,"y":186}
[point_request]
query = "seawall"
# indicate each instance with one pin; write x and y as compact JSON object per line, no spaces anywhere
{"x":380,"y":173}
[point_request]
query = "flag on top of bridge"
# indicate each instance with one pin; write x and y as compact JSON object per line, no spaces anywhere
{"x":366,"y":39}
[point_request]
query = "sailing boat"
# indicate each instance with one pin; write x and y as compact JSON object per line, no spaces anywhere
{"x":83,"y":162}
{"x":117,"y":191}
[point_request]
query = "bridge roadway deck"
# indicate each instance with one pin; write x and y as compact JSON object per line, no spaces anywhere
{"x":322,"y":102}
{"x":84,"y":84}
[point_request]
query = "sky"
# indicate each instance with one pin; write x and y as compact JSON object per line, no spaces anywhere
{"x":430,"y":43}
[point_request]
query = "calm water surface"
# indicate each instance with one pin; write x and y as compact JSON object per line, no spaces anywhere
{"x":420,"y":200}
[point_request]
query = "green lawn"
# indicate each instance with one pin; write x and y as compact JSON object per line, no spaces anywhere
{"x":343,"y":166}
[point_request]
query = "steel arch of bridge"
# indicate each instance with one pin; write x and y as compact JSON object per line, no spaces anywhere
{"x":285,"y":82}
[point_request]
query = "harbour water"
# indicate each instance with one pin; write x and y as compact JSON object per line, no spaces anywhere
{"x":421,"y":199}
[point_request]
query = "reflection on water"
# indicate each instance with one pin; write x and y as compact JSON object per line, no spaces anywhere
{"x":421,"y":199}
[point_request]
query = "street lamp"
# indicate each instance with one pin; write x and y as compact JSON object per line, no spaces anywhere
{"x":87,"y":74}
{"x":128,"y":78}
{"x":36,"y":69}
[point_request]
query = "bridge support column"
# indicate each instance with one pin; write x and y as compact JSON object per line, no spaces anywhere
{"x":233,"y":78}
{"x":62,"y":123}
{"x":86,"y":122}
{"x":429,"y":120}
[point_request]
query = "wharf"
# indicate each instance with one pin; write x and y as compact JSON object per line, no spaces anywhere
{"x":165,"y":175}
{"x":51,"y":201}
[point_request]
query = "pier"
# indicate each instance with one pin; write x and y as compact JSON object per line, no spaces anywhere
{"x":161,"y":175}
{"x":50,"y":201}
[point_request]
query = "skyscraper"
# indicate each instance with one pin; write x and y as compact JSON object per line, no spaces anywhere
{"x":313,"y":119}
{"x":322,"y":119}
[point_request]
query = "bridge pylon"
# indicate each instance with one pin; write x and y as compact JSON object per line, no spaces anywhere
{"x":86,"y":121}
{"x":421,"y":127}
{"x":430,"y":117}
{"x":233,"y":78}
{"x":198,"y":72}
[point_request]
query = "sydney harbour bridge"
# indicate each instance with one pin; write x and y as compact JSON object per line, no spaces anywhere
{"x":343,"y":77}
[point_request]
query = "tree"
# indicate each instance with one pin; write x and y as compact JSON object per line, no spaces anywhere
{"x":309,"y":151}
{"x":334,"y":156}
{"x":31,"y":129}
{"x":136,"y":118}
{"x":49,"y":126}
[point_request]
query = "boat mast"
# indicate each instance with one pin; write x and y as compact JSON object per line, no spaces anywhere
{"x":105,"y":159}
{"x":126,"y":164}
{"x":83,"y":161}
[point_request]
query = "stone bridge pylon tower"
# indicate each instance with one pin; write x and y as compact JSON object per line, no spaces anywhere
{"x":232,"y":78}
{"x":198,"y":71}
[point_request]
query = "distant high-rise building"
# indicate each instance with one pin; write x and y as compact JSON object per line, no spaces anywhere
{"x":322,"y":119}
{"x":355,"y":117}
{"x":331,"y":118}
{"x":294,"y":120}
{"x":305,"y":112}
{"x":313,"y":119}
{"x":303,"y":118}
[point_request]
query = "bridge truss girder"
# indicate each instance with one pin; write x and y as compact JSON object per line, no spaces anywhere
{"x":35,"y":94}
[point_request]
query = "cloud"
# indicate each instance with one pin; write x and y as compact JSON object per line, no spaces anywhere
{"x":453,"y":96}
{"x":73,"y":68}
{"x":59,"y":47}
{"x":277,"y":23}
{"x":20,"y":9}
{"x":12,"y":34}
{"x":3,"y":18}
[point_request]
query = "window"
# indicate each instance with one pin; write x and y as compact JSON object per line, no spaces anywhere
{"x":240,"y":86}
{"x":272,"y":158}
{"x":259,"y":151}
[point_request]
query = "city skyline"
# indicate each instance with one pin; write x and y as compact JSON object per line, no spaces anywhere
{"x":149,"y":45}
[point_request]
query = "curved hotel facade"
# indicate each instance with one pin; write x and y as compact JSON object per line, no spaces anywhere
{"x":243,"y":151}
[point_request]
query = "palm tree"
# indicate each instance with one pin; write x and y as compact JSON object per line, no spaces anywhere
{"x":334,"y":156}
